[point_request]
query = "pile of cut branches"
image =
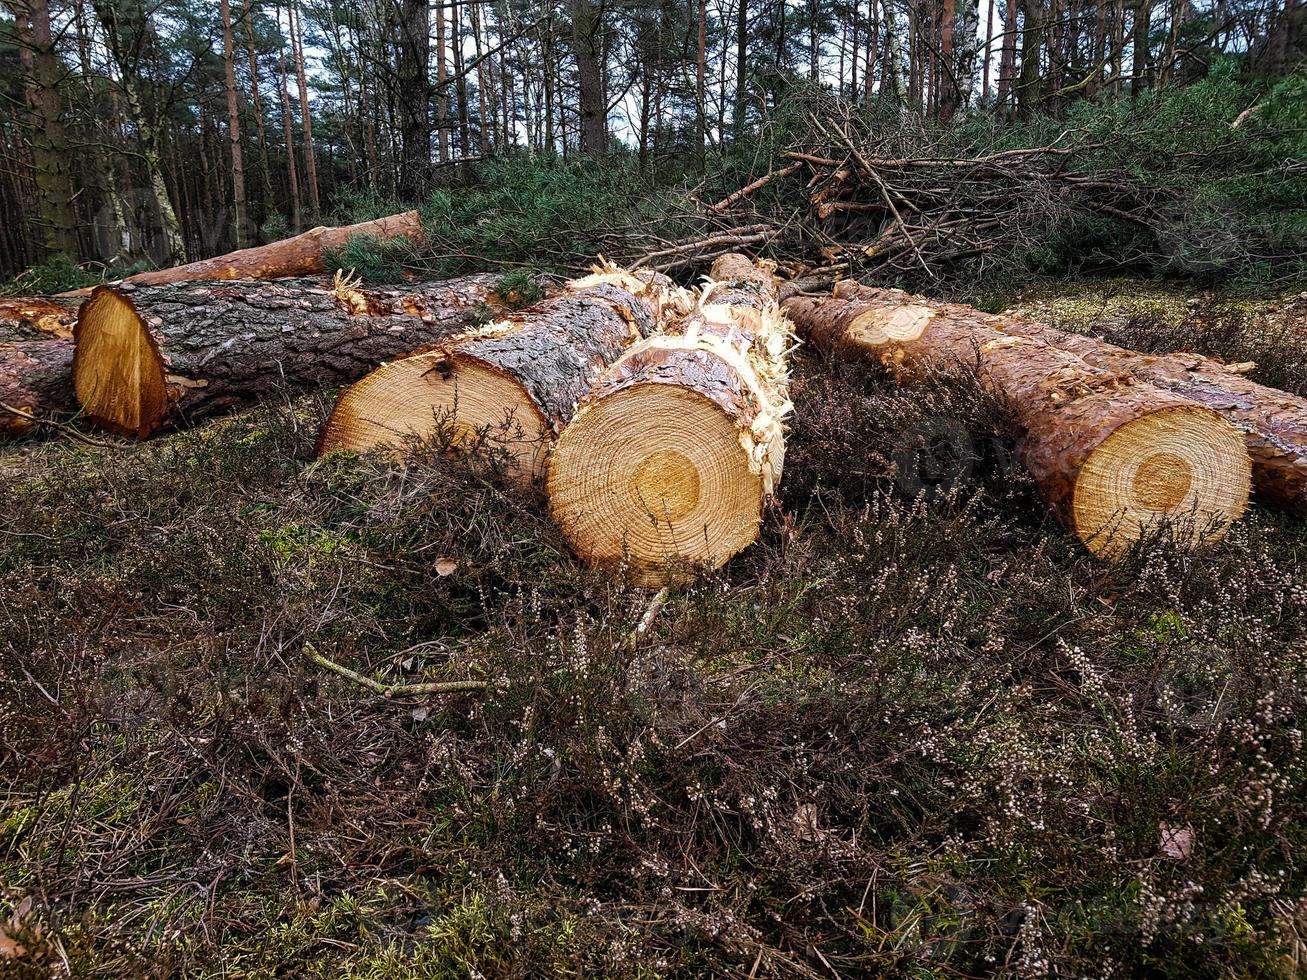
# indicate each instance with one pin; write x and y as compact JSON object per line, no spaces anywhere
{"x":853,"y":196}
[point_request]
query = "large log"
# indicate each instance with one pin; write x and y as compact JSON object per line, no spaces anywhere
{"x":148,"y":354}
{"x":301,"y":255}
{"x":1113,"y":456}
{"x":1273,"y":422}
{"x":509,"y":387}
{"x":669,"y":461}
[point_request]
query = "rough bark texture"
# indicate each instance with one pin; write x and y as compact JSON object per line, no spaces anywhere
{"x":1066,"y":408}
{"x":229,"y":344}
{"x":32,"y":317}
{"x":35,"y":380}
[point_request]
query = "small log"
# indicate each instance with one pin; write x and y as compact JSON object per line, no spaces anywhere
{"x":669,"y":461}
{"x":301,"y":255}
{"x":1111,"y":455}
{"x":146,"y":355}
{"x":512,"y":385}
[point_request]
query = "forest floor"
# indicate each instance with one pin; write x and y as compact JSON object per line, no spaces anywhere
{"x":915,"y":730}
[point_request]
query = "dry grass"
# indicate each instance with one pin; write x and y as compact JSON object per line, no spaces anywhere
{"x":915,"y":730}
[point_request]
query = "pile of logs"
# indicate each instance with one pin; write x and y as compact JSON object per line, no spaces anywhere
{"x":652,"y":416}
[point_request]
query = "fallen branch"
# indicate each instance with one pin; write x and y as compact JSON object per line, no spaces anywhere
{"x":393,"y":690}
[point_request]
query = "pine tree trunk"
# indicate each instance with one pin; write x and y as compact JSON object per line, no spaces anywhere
{"x":260,"y":122}
{"x":669,"y":461}
{"x":511,"y":385}
{"x":288,"y":135}
{"x":240,"y":228}
{"x":306,"y":116}
{"x":1112,"y":457}
{"x":35,"y":381}
{"x":147,"y":355}
{"x":51,"y":158}
{"x":593,"y":101}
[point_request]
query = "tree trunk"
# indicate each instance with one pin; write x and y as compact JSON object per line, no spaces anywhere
{"x":1032,"y":43}
{"x":1273,"y":422}
{"x":669,"y":461}
{"x":1111,"y":457}
{"x":31,"y":317}
{"x":442,"y":91}
{"x":510,"y":386}
{"x":146,"y":355}
{"x":306,"y":116}
{"x":298,"y":256}
{"x":240,"y":229}
{"x":51,"y":158}
{"x":741,"y":66}
{"x":288,"y":134}
{"x":1007,"y":63}
{"x":260,"y":121}
{"x":589,"y":72}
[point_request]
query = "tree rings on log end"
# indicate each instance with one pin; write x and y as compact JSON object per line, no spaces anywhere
{"x":119,"y":376}
{"x":1186,"y":466}
{"x":412,"y":398}
{"x":654,"y":476}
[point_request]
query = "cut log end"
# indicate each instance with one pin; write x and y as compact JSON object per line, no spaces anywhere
{"x":118,"y":373}
{"x":1186,"y":466}
{"x":410,"y":399}
{"x":653,"y":476}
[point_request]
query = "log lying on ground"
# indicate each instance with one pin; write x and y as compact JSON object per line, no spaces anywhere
{"x":1111,"y":455}
{"x":512,"y":385}
{"x":146,"y":354}
{"x":1273,"y":422}
{"x":35,"y":382}
{"x":301,"y":255}
{"x":669,"y":461}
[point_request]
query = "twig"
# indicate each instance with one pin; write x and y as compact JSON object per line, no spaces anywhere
{"x":393,"y":690}
{"x":732,"y":199}
{"x":63,"y":427}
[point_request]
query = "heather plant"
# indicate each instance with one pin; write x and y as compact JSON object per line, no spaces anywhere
{"x":915,"y":730}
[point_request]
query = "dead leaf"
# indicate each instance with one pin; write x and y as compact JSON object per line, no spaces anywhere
{"x":1177,"y":842}
{"x":446,"y":567}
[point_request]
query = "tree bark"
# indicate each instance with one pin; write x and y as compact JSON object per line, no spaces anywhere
{"x":1110,"y":455}
{"x":35,"y":382}
{"x":240,"y":228}
{"x":260,"y":122}
{"x":670,"y":459}
{"x":148,"y":355}
{"x":306,"y":116}
{"x":298,"y":256}
{"x":586,"y":25}
{"x":511,"y":386}
{"x":48,"y":137}
{"x":288,"y":135}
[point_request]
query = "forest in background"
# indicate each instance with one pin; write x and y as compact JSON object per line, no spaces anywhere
{"x":139,"y":133}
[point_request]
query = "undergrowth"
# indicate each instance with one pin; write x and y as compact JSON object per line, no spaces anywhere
{"x":916,"y":730}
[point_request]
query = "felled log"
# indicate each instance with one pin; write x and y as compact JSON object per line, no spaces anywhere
{"x":669,"y":461}
{"x":35,"y":382}
{"x":1273,"y":422}
{"x":1112,"y":455}
{"x":30,"y":317}
{"x":301,"y":255}
{"x":509,"y":387}
{"x":146,"y":355}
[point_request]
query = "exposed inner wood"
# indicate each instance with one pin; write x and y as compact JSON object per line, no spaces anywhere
{"x":668,"y":464}
{"x":118,"y":373}
{"x":509,"y":387}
